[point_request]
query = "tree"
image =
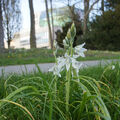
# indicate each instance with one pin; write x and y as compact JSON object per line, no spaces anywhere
{"x":105,"y":31}
{"x":11,"y":19}
{"x":87,"y":10}
{"x":61,"y":34}
{"x":102,"y":6}
{"x":52,"y":19}
{"x":49,"y":26}
{"x":32,"y":28}
{"x":71,"y":4}
{"x":86,"y":16}
{"x":1,"y":29}
{"x":111,"y":4}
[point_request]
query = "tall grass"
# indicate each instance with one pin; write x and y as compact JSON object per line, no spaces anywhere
{"x":39,"y":98}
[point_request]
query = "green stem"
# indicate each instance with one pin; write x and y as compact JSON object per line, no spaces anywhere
{"x":51,"y":107}
{"x":68,"y":77}
{"x":55,"y":87}
{"x":55,"y":77}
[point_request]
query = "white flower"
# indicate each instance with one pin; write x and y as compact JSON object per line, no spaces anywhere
{"x":61,"y":62}
{"x":72,"y":61}
{"x":58,"y":67}
{"x":65,"y":43}
{"x":113,"y":67}
{"x":76,"y":65}
{"x":79,"y":65}
{"x":66,"y":61}
{"x":79,"y":50}
{"x":56,"y":70}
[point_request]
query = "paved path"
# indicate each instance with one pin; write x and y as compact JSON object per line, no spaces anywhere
{"x":19,"y":69}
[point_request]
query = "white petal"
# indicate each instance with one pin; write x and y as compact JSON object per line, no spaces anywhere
{"x":82,"y":54}
{"x":113,"y":67}
{"x":80,"y":46}
{"x":67,"y":66}
{"x":65,"y":43}
{"x":51,"y":69}
{"x":79,"y":50}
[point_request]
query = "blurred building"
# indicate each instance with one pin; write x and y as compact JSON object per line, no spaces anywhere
{"x":61,"y":16}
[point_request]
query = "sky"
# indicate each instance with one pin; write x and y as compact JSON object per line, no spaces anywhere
{"x":26,"y":13}
{"x":39,"y":6}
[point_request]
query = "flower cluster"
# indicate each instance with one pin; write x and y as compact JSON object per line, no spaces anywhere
{"x":69,"y":59}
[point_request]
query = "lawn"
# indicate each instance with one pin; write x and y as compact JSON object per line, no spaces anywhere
{"x":35,"y":56}
{"x":36,"y":93}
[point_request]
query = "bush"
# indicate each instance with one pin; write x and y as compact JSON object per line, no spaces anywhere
{"x":105,"y":31}
{"x":61,"y":34}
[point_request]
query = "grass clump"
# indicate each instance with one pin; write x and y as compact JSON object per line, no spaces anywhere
{"x":37,"y":97}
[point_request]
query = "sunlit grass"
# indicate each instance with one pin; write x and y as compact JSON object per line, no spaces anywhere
{"x":17,"y":57}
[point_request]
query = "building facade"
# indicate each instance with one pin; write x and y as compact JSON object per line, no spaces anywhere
{"x":22,"y":39}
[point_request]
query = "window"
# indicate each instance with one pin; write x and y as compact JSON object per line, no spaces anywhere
{"x":24,"y":42}
{"x":42,"y":38}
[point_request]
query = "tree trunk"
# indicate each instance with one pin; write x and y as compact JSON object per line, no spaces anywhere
{"x":84,"y":25}
{"x":86,"y":16}
{"x":8,"y":35}
{"x":53,"y":31}
{"x":49,"y":26}
{"x":87,"y":11}
{"x":9,"y":44}
{"x":32,"y":29}
{"x":102,"y":6}
{"x":1,"y":30}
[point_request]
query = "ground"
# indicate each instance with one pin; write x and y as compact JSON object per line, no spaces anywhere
{"x":44,"y":67}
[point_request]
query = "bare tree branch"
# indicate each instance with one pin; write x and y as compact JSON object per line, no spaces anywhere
{"x":91,"y":8}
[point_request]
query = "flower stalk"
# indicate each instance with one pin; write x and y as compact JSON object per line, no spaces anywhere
{"x":68,"y":62}
{"x":68,"y":78}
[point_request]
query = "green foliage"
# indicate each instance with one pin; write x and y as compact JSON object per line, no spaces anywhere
{"x":41,"y":55}
{"x":105,"y":31}
{"x":112,"y":78}
{"x":38,"y":100}
{"x":111,"y":3}
{"x":61,"y":34}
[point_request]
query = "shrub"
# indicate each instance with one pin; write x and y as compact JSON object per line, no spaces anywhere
{"x":61,"y":34}
{"x":105,"y":31}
